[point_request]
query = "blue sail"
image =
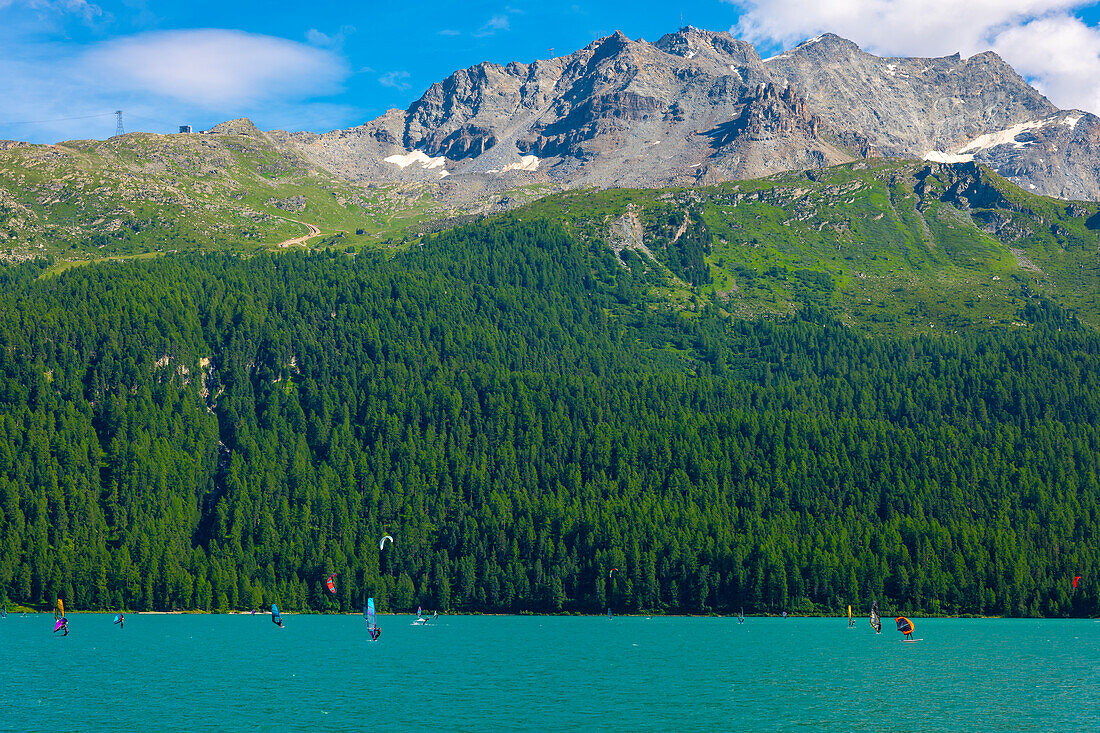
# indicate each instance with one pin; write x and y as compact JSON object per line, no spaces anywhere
{"x":276,"y":617}
{"x":368,"y":613}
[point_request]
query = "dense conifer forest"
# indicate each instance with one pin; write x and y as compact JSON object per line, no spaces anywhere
{"x":216,"y":432}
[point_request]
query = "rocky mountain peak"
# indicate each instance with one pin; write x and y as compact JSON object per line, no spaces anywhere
{"x":701,"y":106}
{"x":827,"y":46}
{"x":239,"y":126}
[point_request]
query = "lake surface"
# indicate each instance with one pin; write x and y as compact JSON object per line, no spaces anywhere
{"x":199,"y":672}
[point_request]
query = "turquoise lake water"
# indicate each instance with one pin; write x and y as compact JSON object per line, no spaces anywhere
{"x":199,"y":672}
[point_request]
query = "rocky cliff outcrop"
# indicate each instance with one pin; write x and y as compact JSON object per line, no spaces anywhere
{"x":697,"y":106}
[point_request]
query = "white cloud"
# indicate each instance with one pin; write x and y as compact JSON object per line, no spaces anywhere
{"x":1061,"y":54}
{"x":1041,"y":38}
{"x":327,"y":40}
{"x":395,"y":80}
{"x":213,"y":68}
{"x":81,"y":8}
{"x":166,"y":79}
{"x":494,"y":24}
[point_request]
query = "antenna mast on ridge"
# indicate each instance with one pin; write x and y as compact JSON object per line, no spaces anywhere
{"x":119,"y":130}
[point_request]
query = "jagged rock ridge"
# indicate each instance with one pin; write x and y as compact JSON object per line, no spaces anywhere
{"x":700,"y":107}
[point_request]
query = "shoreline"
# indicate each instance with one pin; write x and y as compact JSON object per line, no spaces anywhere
{"x":859,"y":619}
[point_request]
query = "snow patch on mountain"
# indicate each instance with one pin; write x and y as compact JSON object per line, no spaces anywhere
{"x":938,"y":156}
{"x":1003,"y":137}
{"x":526,"y":163}
{"x":417,"y":156}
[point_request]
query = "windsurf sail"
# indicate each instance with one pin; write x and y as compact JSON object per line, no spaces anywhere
{"x":4,"y":613}
{"x":876,"y":622}
{"x":59,"y":624}
{"x":368,"y":614}
{"x":741,"y":616}
{"x":331,"y":585}
{"x":118,"y":618}
{"x":419,"y":612}
{"x":382,"y":542}
{"x":59,"y":612}
{"x":609,"y":616}
{"x":1075,"y":579}
{"x":849,"y":614}
{"x":276,"y":617}
{"x":905,"y":626}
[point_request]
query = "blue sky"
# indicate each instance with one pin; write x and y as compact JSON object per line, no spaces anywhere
{"x":66,"y":64}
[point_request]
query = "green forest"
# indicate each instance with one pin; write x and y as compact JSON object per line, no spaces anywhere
{"x":218,"y":432}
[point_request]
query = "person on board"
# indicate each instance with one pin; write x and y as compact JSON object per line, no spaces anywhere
{"x":376,"y":633}
{"x":122,"y":621}
{"x":277,"y":621}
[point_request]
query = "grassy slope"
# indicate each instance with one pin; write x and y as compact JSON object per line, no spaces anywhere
{"x":896,"y":246}
{"x":141,"y":193}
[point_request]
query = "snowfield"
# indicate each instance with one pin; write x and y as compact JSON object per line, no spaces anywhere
{"x":416,"y":156}
{"x":1003,"y":137}
{"x":938,"y":156}
{"x":526,"y":163}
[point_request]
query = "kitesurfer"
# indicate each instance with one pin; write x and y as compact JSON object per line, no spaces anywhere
{"x":906,"y":627}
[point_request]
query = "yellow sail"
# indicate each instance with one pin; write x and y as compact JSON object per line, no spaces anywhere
{"x":61,"y":607}
{"x":849,"y":612}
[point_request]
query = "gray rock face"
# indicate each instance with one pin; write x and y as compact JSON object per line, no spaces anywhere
{"x":978,"y":108}
{"x":701,"y":107}
{"x":1056,"y":156}
{"x":902,"y":105}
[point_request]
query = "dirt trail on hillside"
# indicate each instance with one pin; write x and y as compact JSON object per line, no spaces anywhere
{"x":313,"y":232}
